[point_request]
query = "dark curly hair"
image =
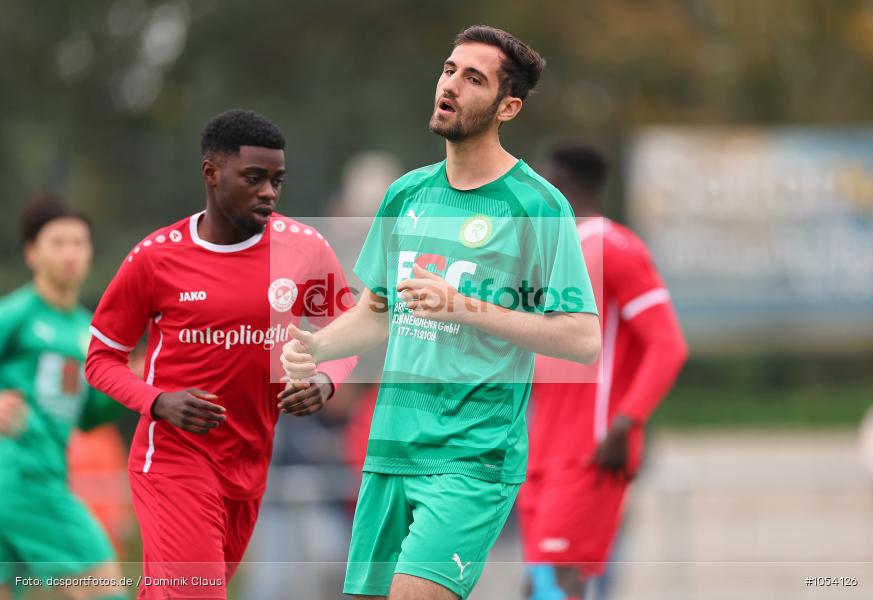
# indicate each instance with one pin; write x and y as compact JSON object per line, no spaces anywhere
{"x":520,"y":70}
{"x":226,"y":132}
{"x":581,"y":162}
{"x":41,"y":209}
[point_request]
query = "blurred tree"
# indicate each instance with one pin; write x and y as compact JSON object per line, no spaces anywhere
{"x":104,"y":101}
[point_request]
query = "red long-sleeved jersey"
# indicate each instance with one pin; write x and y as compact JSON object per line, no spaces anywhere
{"x":216,"y":318}
{"x":643,"y":352}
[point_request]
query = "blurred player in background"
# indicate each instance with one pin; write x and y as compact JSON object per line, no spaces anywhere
{"x":98,"y":470}
{"x":216,"y":291}
{"x":586,"y":439}
{"x":448,"y":445}
{"x":44,"y":529}
{"x":98,"y":475}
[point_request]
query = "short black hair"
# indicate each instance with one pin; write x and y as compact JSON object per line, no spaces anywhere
{"x":584,"y":164}
{"x":230,"y":130}
{"x":520,"y":70}
{"x":43,"y":208}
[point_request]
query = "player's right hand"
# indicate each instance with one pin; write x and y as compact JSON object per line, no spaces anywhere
{"x":191,"y":410}
{"x":13,"y":413}
{"x":612,"y":454}
{"x":298,"y":356}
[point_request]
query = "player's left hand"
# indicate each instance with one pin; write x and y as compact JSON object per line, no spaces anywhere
{"x":301,"y":402}
{"x":429,"y":296}
{"x":611,"y":454}
{"x":13,"y":413}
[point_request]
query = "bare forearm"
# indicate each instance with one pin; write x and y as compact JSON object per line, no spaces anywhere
{"x":570,"y":336}
{"x":574,"y":336}
{"x":353,"y":332}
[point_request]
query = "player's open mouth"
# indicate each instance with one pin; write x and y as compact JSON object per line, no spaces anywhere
{"x":446,"y":106}
{"x":262,"y":214}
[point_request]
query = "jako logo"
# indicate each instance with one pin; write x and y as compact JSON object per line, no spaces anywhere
{"x":192,"y":296}
{"x":451,"y":273}
{"x":554,"y":545}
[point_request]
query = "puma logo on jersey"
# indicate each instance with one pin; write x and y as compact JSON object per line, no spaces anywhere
{"x":461,"y":565}
{"x":44,"y":331}
{"x":411,"y":214}
{"x":192,"y":296}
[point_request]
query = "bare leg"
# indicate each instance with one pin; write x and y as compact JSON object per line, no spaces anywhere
{"x":555,"y":580}
{"x":409,"y":587}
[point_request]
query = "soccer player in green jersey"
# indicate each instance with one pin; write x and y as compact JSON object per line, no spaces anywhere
{"x":472,"y":265}
{"x":45,"y":531}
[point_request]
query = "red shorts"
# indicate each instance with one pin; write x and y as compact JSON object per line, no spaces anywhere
{"x":193,"y":537}
{"x":571,"y":516}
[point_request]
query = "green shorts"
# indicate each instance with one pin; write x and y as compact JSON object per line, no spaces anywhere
{"x":437,"y":527}
{"x":46,"y":531}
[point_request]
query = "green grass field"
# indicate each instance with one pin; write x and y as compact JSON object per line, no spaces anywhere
{"x":770,"y":391}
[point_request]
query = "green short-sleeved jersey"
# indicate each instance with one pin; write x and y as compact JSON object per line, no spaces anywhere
{"x":453,"y":398}
{"x":42,"y":355}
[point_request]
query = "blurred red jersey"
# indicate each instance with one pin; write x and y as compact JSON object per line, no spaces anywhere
{"x":216,"y":318}
{"x":573,"y":404}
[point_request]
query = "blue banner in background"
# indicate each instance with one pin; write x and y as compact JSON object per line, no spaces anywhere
{"x":764,"y":236}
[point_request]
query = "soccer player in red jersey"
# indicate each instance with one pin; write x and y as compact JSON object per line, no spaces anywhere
{"x":216,"y":291}
{"x":586,"y":439}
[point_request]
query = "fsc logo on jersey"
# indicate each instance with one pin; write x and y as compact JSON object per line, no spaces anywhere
{"x":451,"y":272}
{"x":520,"y":294}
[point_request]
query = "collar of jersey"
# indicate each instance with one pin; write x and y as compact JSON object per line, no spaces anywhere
{"x":224,"y":248}
{"x":485,"y":186}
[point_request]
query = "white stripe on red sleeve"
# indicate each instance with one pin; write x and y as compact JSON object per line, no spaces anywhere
{"x":108,"y":340}
{"x":644,"y":302}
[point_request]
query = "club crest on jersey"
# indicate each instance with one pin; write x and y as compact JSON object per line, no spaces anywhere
{"x":476,"y":231}
{"x":282,"y":294}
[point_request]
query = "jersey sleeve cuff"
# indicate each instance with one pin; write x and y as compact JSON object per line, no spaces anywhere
{"x":377,"y":287}
{"x":336,"y":370}
{"x":149,"y":404}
